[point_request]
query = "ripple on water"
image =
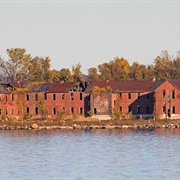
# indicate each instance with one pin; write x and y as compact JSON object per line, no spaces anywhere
{"x":90,"y":154}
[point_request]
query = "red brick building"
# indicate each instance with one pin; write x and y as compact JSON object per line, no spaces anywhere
{"x":142,"y":98}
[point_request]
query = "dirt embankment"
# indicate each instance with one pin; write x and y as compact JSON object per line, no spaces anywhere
{"x":88,"y":123}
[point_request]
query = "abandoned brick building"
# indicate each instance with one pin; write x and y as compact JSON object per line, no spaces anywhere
{"x":140,"y":98}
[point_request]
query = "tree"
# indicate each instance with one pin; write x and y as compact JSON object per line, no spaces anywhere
{"x":16,"y":68}
{"x":138,"y":71}
{"x":117,"y":69}
{"x":76,"y":71}
{"x":163,"y":66}
{"x":39,"y":69}
{"x":120,"y":69}
{"x":93,"y":74}
{"x":65,"y":75}
{"x":105,"y":71}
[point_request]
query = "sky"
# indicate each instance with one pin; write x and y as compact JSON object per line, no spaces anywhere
{"x":90,"y":32}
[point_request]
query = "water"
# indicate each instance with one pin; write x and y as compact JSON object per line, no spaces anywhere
{"x":90,"y":154}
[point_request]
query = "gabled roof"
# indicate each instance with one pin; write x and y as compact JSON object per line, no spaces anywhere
{"x":125,"y":86}
{"x":175,"y":82}
{"x":40,"y":87}
{"x":61,"y":87}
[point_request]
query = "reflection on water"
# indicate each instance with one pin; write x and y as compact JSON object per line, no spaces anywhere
{"x":90,"y":154}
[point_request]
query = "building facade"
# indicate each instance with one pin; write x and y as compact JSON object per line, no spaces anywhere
{"x":143,"y":99}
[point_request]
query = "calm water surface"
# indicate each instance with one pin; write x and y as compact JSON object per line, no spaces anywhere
{"x":90,"y":154}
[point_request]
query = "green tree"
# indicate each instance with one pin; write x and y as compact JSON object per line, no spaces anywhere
{"x":93,"y":74}
{"x":65,"y":75}
{"x":138,"y":71}
{"x":105,"y":72}
{"x":163,"y":66}
{"x":39,"y":69}
{"x":76,"y":71}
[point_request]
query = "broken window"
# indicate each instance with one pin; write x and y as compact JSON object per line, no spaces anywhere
{"x":81,"y":96}
{"x":63,"y":96}
{"x":36,"y":97}
{"x":36,"y":110}
{"x":54,"y":97}
{"x":129,"y":95}
{"x":72,"y":110}
{"x":129,"y":109}
{"x":163,"y":94}
{"x":173,"y":94}
{"x":54,"y":110}
{"x":27,"y":97}
{"x":72,"y":96}
{"x":80,"y":110}
{"x":173,"y":109}
{"x":45,"y":96}
{"x":12,"y":97}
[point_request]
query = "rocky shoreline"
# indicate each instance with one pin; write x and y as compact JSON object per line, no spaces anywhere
{"x":75,"y":126}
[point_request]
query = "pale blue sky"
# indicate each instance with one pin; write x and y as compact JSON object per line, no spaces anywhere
{"x":90,"y":33}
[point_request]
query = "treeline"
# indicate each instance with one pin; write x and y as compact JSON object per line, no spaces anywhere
{"x":23,"y":67}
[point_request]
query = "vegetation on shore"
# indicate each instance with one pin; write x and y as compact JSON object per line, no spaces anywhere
{"x":84,"y":123}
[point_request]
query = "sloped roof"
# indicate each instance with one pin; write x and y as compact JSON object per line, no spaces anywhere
{"x":175,"y":82}
{"x":61,"y":87}
{"x":156,"y":85}
{"x":3,"y":90}
{"x":124,"y":86}
{"x":18,"y":84}
{"x":40,"y":87}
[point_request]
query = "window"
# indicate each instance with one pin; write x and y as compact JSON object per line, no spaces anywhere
{"x":36,"y":97}
{"x":138,"y":109}
{"x":45,"y":96}
{"x":36,"y":110}
{"x":0,"y":111}
{"x":27,"y":110}
{"x":129,"y":95}
{"x":6,"y":97}
{"x":27,"y":97}
{"x":138,"y":95}
{"x":63,"y":108}
{"x":80,"y":110}
{"x":120,"y":95}
{"x":63,"y":96}
{"x":120,"y":108}
{"x":54,"y":97}
{"x":12,"y":97}
{"x":54,"y":110}
{"x":0,"y":98}
{"x":81,"y":96}
{"x":6,"y":111}
{"x":147,"y":109}
{"x":164,"y":109}
{"x":95,"y":111}
{"x":163,"y":94}
{"x":12,"y":111}
{"x":72,"y":110}
{"x":114,"y":102}
{"x":173,"y":109}
{"x":72,"y":96}
{"x":147,"y":96}
{"x":129,"y":109}
{"x":173,"y":94}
